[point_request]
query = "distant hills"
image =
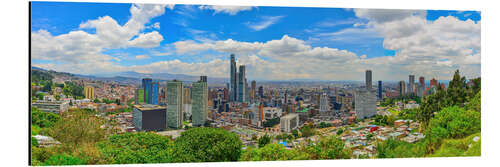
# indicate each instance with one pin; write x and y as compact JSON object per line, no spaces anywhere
{"x":136,"y":77}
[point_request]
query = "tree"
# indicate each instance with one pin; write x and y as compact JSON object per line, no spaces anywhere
{"x":307,"y":131}
{"x":451,"y":122}
{"x":207,"y":145}
{"x":272,"y":152}
{"x":330,"y":147}
{"x":43,"y":119}
{"x":295,"y":133}
{"x":78,"y":127}
{"x":133,"y":148}
{"x":264,"y":140}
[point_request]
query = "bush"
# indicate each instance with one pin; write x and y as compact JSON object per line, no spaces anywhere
{"x":459,"y":147}
{"x":63,"y":159}
{"x":454,"y":122}
{"x":392,"y":148}
{"x":330,"y":147}
{"x":78,"y":127}
{"x":272,"y":152}
{"x":207,"y":145}
{"x":264,"y":140}
{"x":34,"y":142}
{"x":43,"y":119}
{"x":134,"y":148}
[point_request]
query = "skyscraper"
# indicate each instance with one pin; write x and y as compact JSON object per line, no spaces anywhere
{"x":233,"y":78}
{"x":261,"y":92}
{"x":174,"y":103}
{"x":365,"y":100}
{"x":380,"y":90}
{"x":89,"y":92}
{"x":252,"y":90}
{"x":368,"y":76}
{"x":411,"y":85}
{"x":324,"y":107}
{"x":203,"y":79}
{"x":200,"y":102}
{"x":402,"y":90}
{"x":155,"y":91}
{"x":187,"y":96}
{"x":146,"y":86}
{"x":242,"y":84}
{"x":421,"y":80}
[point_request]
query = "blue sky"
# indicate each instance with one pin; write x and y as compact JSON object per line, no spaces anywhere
{"x":360,"y":36}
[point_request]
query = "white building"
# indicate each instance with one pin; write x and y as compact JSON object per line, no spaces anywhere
{"x":365,"y":102}
{"x":289,"y":122}
{"x":324,"y":107}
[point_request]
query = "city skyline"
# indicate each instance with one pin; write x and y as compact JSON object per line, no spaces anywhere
{"x":126,"y":38}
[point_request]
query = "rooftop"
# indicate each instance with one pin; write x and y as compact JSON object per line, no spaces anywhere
{"x":144,"y":107}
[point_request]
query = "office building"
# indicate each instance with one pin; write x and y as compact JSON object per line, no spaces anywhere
{"x":174,"y":103}
{"x":380,"y":90}
{"x":56,"y":107}
{"x":434,"y":83}
{"x":89,"y":92}
{"x":187,"y":95}
{"x":421,"y":80}
{"x":368,"y":79}
{"x":253,"y":89}
{"x":411,"y":84}
{"x":233,"y":79}
{"x":402,"y":90}
{"x":204,"y":79}
{"x":146,"y":86}
{"x":155,"y":92}
{"x":365,"y":100}
{"x":242,"y":84}
{"x":324,"y":107}
{"x":261,"y":92}
{"x":289,"y":122}
{"x":200,"y":103}
{"x":149,"y":117}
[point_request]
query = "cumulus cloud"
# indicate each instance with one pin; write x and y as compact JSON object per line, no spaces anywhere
{"x":79,"y":48}
{"x":421,"y":45}
{"x":265,"y":22}
{"x":231,"y":10}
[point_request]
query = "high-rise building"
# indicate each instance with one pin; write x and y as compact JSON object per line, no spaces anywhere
{"x":402,"y":90}
{"x":261,"y":92}
{"x":366,"y":99}
{"x":380,"y":90}
{"x":155,"y":91}
{"x":420,"y":90}
{"x":324,"y":106}
{"x":242,"y":88}
{"x":411,"y":85}
{"x":252,"y":90}
{"x":187,"y":96}
{"x":146,"y":86}
{"x":203,"y":79}
{"x":421,"y":80}
{"x":200,"y":102}
{"x":368,"y":76}
{"x":89,"y":92}
{"x":234,"y":79}
{"x":175,"y":103}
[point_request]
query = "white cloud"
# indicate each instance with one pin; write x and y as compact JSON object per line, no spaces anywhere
{"x":81,"y":52}
{"x":231,"y":10}
{"x":265,"y":22}
{"x":149,"y":40}
{"x":140,"y":57}
{"x":422,"y":45}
